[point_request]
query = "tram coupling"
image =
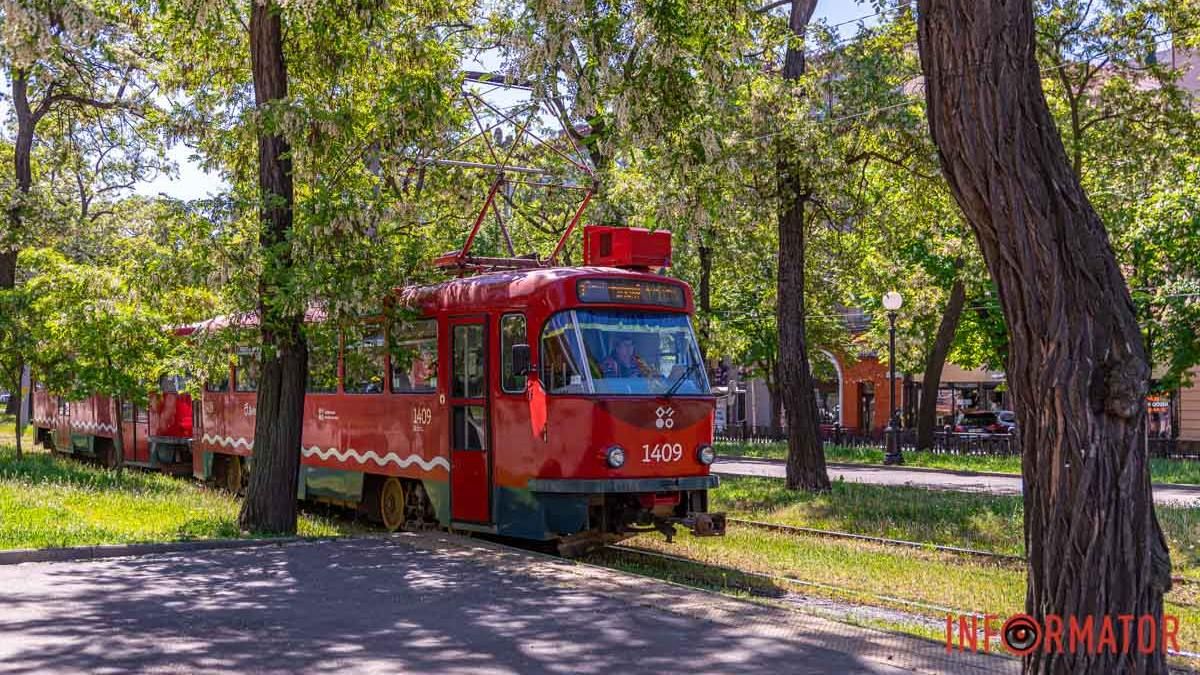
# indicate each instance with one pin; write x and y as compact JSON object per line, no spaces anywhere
{"x":700,"y":525}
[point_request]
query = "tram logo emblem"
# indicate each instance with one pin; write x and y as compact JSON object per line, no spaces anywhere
{"x":666,"y":417}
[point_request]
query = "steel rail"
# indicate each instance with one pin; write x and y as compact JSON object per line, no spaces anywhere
{"x":791,"y":581}
{"x":836,"y":534}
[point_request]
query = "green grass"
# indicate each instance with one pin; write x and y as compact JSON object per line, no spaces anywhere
{"x":865,"y":570}
{"x":964,"y":519}
{"x":1161,"y":470}
{"x":48,"y":501}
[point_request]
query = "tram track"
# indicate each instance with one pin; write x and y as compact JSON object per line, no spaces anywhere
{"x":780,"y":580}
{"x":837,"y":534}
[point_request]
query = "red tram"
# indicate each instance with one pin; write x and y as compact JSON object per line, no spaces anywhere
{"x":156,"y":437}
{"x":550,"y":403}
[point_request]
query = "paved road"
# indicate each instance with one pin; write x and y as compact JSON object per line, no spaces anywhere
{"x":963,"y":481}
{"x":403,"y":605}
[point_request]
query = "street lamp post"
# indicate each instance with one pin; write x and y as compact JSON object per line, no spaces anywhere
{"x":892,"y":301}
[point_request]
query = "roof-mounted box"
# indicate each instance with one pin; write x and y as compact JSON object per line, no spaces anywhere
{"x":626,"y":247}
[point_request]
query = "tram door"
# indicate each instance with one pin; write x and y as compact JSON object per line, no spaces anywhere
{"x":470,"y":437}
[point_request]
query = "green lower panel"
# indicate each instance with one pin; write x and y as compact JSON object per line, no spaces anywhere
{"x":331,"y":484}
{"x":81,"y":444}
{"x":439,"y":495}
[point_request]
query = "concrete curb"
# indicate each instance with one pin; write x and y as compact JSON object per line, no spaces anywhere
{"x":927,"y":469}
{"x":76,"y":553}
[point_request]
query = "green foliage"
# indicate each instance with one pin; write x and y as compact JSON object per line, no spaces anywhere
{"x":368,"y":90}
{"x":96,"y":332}
{"x":1132,"y":132}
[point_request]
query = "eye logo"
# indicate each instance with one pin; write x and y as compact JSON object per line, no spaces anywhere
{"x":666,"y":417}
{"x":1021,"y":634}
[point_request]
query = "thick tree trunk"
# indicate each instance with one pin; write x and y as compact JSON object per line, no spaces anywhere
{"x":806,"y":458}
{"x":705,"y":299}
{"x":936,"y":361}
{"x":1076,"y":367}
{"x":22,"y":170}
{"x":270,"y":504}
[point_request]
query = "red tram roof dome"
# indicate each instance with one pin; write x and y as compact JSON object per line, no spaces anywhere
{"x":518,"y":288}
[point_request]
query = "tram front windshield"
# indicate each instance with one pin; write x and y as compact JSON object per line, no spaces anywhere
{"x":603,"y":351}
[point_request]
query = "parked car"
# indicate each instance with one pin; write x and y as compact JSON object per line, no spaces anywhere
{"x":987,"y":422}
{"x":4,"y":396}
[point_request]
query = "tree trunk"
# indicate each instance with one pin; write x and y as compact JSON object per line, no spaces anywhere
{"x":935,"y":363}
{"x":18,"y":395}
{"x":1076,"y":366}
{"x":22,"y":170}
{"x":776,"y":402}
{"x":806,"y":458}
{"x":270,"y":504}
{"x":120,"y":425}
{"x":705,"y":300}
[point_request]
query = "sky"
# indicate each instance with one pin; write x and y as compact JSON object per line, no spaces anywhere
{"x":192,"y":182}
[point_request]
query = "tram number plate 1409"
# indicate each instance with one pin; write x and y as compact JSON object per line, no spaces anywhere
{"x":662,"y":452}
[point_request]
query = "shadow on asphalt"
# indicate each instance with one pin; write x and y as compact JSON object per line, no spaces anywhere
{"x":356,"y":606}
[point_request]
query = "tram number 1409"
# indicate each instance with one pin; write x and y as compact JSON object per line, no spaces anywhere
{"x":662,"y":452}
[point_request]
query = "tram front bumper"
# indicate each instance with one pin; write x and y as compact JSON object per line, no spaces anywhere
{"x":620,"y":485}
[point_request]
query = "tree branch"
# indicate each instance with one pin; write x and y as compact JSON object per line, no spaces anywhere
{"x":778,"y":3}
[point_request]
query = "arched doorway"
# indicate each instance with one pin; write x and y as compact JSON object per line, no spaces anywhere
{"x":828,"y":383}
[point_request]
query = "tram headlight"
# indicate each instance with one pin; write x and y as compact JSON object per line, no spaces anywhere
{"x":706,"y":454}
{"x":615,"y":456}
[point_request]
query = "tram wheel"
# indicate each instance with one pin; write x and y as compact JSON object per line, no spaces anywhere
{"x":391,"y":504}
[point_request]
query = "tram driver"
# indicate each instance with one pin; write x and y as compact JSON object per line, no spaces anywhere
{"x":624,"y":361}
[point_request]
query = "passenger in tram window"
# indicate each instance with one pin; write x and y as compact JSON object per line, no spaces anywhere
{"x":624,"y":361}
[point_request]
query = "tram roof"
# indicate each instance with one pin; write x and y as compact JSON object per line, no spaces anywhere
{"x":549,"y":287}
{"x":520,"y":288}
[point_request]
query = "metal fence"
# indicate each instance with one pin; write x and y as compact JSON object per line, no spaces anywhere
{"x":944,"y":442}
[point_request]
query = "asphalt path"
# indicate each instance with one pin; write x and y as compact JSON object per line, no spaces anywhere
{"x":386,"y":606}
{"x":962,"y":481}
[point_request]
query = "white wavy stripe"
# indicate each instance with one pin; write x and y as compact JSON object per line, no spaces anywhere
{"x":227,"y":442}
{"x":370,"y":455}
{"x":93,"y":426}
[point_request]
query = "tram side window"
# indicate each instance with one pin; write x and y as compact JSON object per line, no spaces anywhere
{"x":219,"y":382}
{"x":512,"y":332}
{"x":413,"y":348}
{"x":248,"y":367}
{"x":172,"y":384}
{"x":470,"y":427}
{"x":322,"y":358}
{"x":561,"y":373}
{"x":127,"y":411}
{"x":363,"y":360}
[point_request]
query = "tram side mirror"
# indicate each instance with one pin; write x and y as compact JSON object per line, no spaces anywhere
{"x":520,"y":359}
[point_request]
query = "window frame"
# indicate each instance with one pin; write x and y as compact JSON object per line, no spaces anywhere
{"x":391,"y":336}
{"x":506,"y":351}
{"x":236,"y":379}
{"x":368,"y":327}
{"x":208,"y":383}
{"x":337,"y":361}
{"x":587,"y":373}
